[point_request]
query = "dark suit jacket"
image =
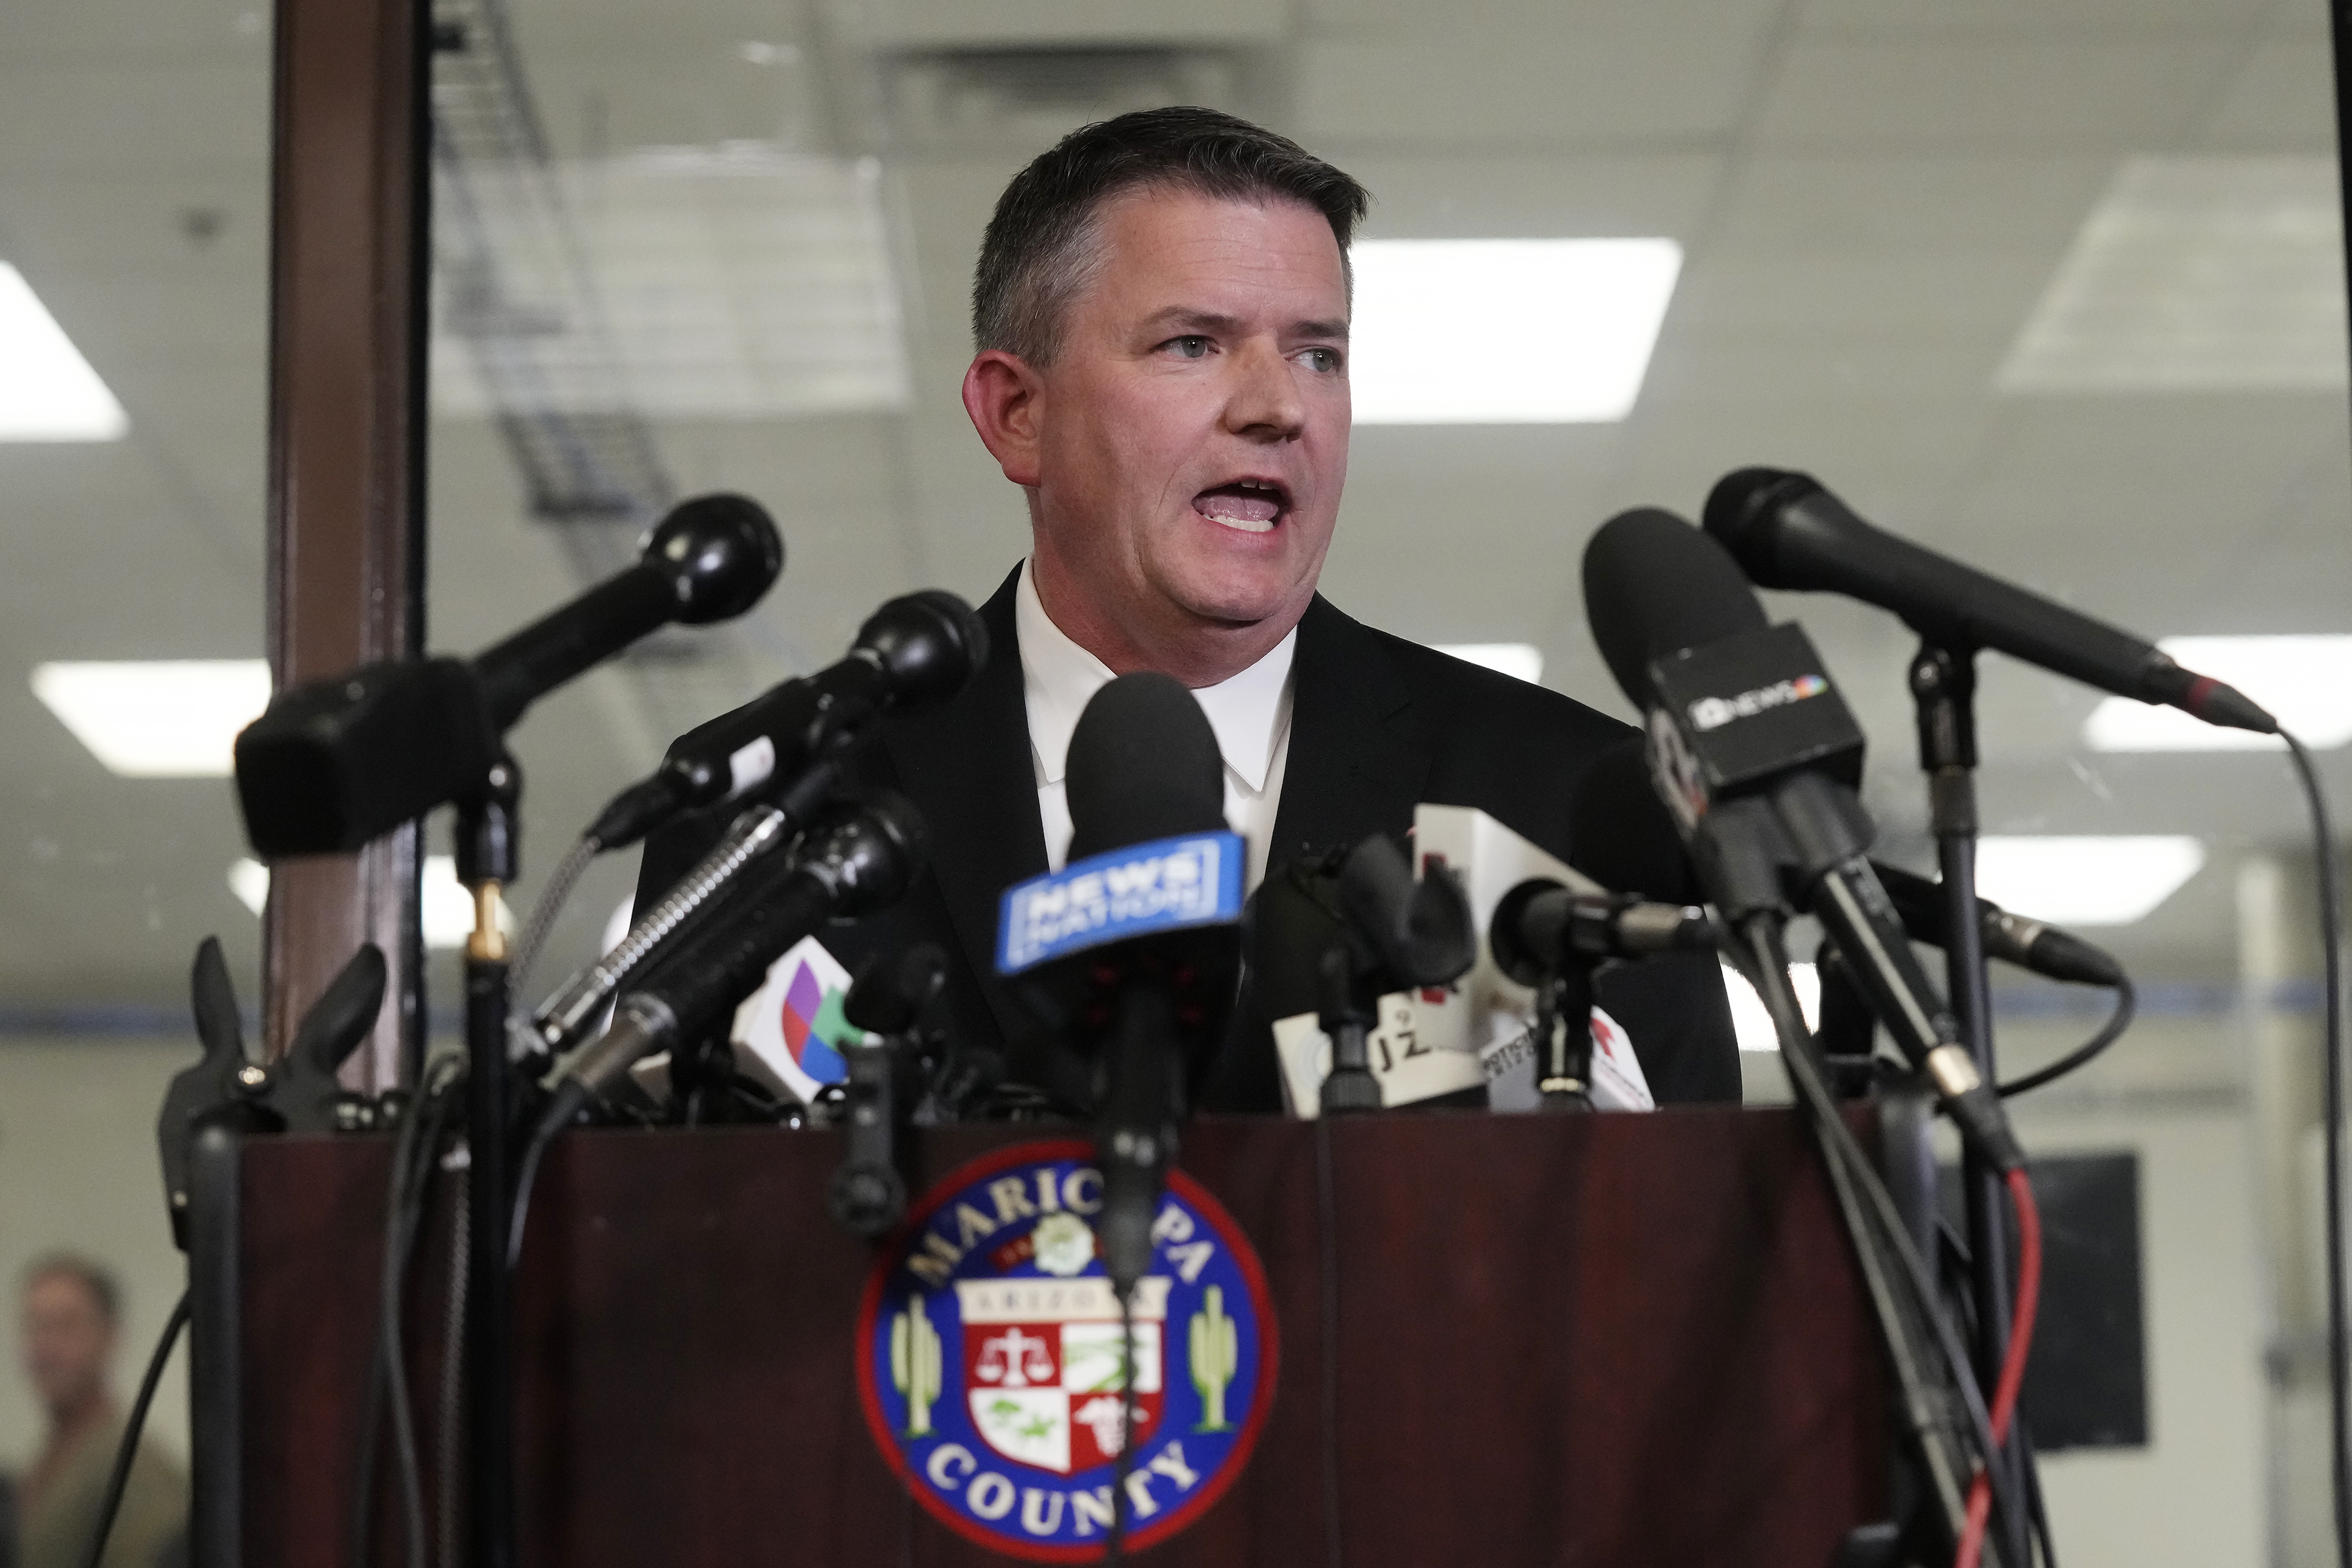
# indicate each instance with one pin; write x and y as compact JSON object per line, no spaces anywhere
{"x":1378,"y":725}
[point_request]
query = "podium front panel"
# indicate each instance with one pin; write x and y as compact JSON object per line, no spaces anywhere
{"x":1503,"y":1340}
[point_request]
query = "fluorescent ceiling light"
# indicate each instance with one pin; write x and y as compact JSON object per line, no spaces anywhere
{"x":157,"y":719}
{"x":448,"y":908}
{"x":1505,"y":331}
{"x":733,"y":283}
{"x":47,"y":391}
{"x":1751,"y":1025}
{"x":2305,"y":681}
{"x":1522,"y":660}
{"x":2085,"y":881}
{"x":2196,"y":274}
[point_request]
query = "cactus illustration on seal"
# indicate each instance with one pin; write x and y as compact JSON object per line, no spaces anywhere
{"x":1215,"y":1354}
{"x":915,"y":1365}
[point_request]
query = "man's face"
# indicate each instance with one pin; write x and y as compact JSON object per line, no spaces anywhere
{"x":1192,"y":432}
{"x":66,"y":1342}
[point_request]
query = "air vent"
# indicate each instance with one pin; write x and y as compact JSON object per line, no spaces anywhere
{"x":961,"y":97}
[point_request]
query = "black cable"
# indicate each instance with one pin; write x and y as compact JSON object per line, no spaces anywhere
{"x":412,"y":1169}
{"x":1771,"y":983}
{"x":2331,"y":937}
{"x":1952,"y":1254}
{"x":1123,"y":1462}
{"x":360,"y":1526}
{"x":127,"y":1449}
{"x":2126,"y":1007}
{"x":1326,"y":1225}
{"x":551,"y":899}
{"x":451,"y":1450}
{"x":526,"y":1174}
{"x":401,"y":1224}
{"x":2039,"y":1510}
{"x":1767,"y":970}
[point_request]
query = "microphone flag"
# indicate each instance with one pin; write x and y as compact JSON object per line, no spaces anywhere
{"x":793,"y":1027}
{"x":1137,"y":890}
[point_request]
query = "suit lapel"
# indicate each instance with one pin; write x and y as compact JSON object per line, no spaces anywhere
{"x":1358,"y":762}
{"x":968,"y":769}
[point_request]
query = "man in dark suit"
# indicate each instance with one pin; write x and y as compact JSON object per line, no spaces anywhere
{"x":1162,"y":309}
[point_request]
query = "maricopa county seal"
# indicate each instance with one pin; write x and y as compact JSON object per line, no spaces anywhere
{"x":990,"y":1357}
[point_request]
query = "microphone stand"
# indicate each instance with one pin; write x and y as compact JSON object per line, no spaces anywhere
{"x":488,"y":857}
{"x":1346,"y":1019}
{"x":1943,"y":690}
{"x":1563,"y":1026}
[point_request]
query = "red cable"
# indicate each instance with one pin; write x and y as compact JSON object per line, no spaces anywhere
{"x":2012,"y":1369}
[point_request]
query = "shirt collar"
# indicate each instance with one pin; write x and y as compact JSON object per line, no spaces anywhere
{"x":1059,"y":677}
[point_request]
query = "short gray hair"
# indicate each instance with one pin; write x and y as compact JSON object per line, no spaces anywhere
{"x":1044,"y":245}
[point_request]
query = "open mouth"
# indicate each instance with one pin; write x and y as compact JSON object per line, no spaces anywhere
{"x":1248,"y":506}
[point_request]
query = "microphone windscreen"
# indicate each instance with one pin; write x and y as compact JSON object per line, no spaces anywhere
{"x":1143,"y":764}
{"x":929,"y":645}
{"x":1621,"y":834}
{"x":1654,"y":585}
{"x":1743,"y":513}
{"x":720,"y":554}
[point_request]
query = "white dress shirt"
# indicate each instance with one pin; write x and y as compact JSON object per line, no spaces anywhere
{"x":1250,"y":713}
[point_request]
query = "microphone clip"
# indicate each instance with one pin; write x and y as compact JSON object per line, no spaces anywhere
{"x":887,"y":1071}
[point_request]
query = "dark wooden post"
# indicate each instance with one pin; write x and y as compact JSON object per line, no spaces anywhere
{"x":349,"y":271}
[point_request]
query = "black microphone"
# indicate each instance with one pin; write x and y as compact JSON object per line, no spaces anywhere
{"x":333,"y":763}
{"x":1623,"y":837}
{"x":2048,"y":951}
{"x":1148,"y":1009}
{"x":849,"y":864}
{"x":1789,"y":532}
{"x":1756,"y":754}
{"x":1541,"y":927}
{"x":914,"y":653}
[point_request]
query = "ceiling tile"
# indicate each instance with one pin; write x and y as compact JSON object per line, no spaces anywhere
{"x":1575,"y":195}
{"x":1559,"y":85}
{"x":1968,"y":95}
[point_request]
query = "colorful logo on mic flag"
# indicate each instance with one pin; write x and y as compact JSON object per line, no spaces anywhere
{"x":794,"y":1024}
{"x":1163,"y":885}
{"x":994,"y":1367}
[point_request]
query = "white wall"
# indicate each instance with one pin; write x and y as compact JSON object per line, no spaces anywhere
{"x":78,"y":1169}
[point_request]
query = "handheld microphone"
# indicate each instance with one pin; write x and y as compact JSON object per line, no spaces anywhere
{"x":333,"y":763}
{"x":1625,"y":839}
{"x":1554,"y":939}
{"x":1129,"y":953}
{"x":1788,"y":531}
{"x":1540,"y":927}
{"x":847,"y":866}
{"x":1755,"y":753}
{"x":2048,"y":951}
{"x":914,"y":653}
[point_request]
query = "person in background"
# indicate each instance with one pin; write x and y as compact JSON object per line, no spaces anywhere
{"x":72,"y":1313}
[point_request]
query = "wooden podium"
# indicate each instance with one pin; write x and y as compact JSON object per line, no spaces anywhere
{"x":1505,"y":1339}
